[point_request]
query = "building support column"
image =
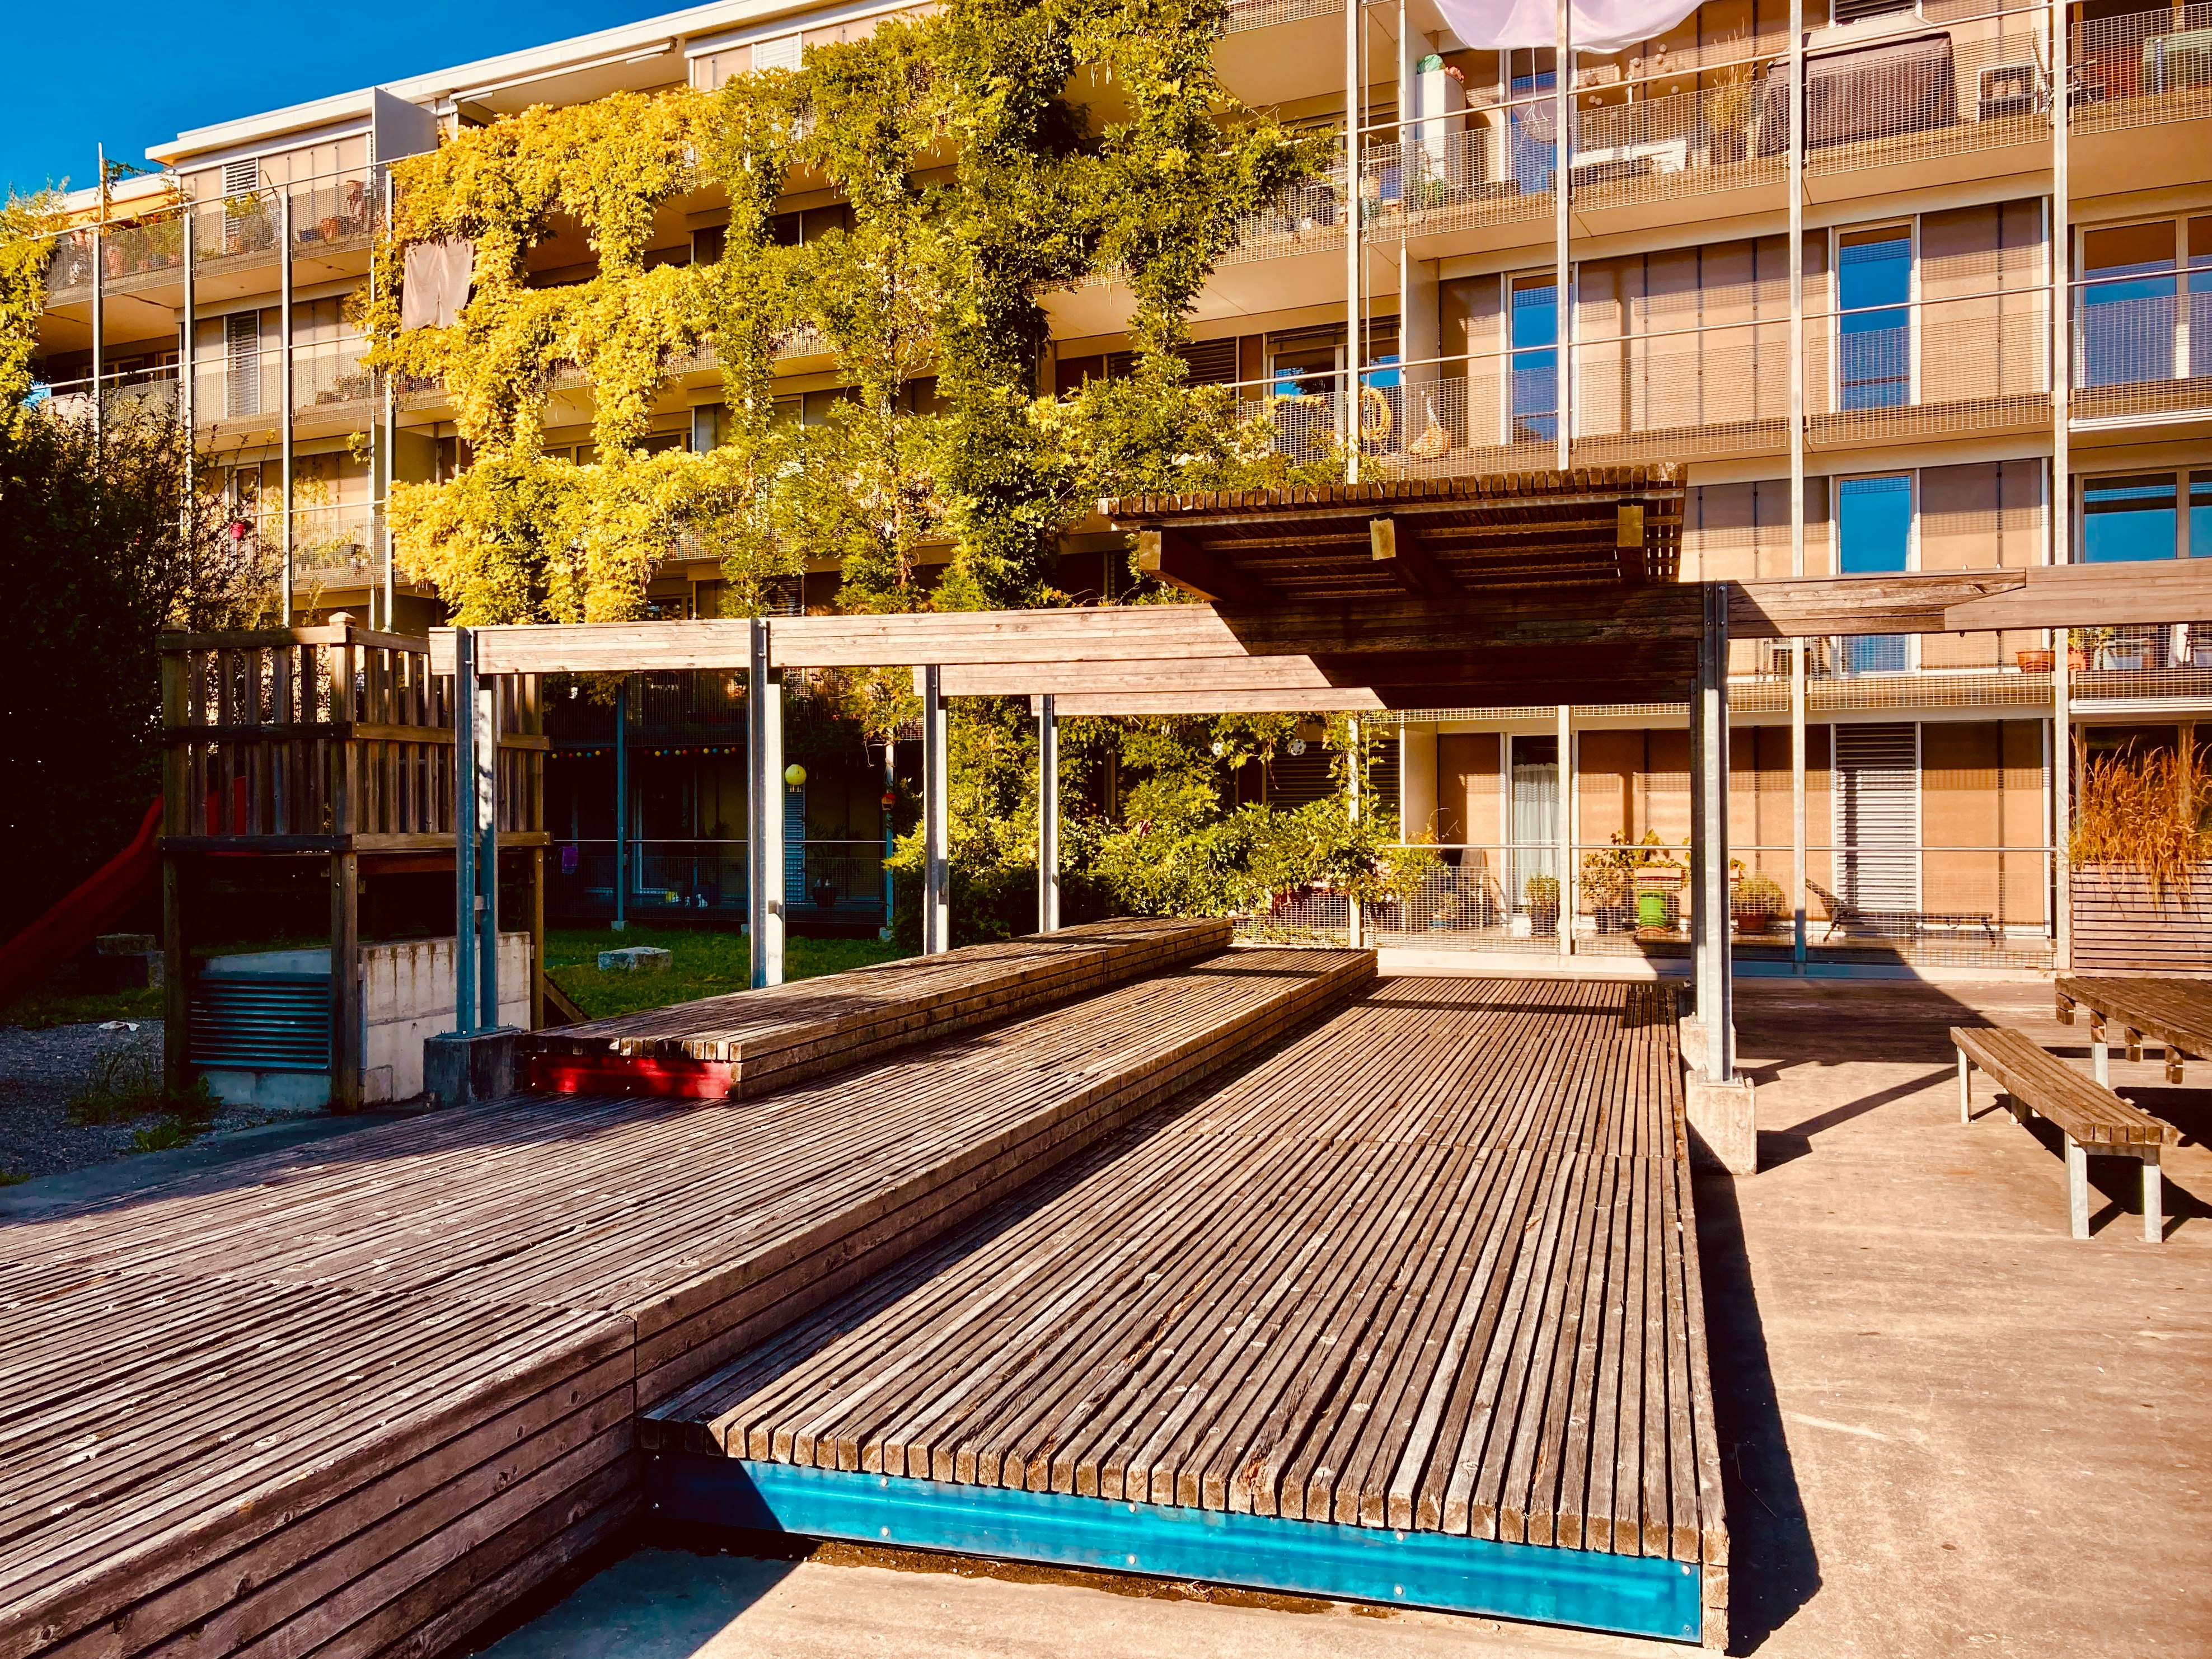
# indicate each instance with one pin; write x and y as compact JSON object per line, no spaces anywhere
{"x":464,"y":831}
{"x":1048,"y":817}
{"x":622,"y":801}
{"x":1355,"y":232}
{"x":487,"y":810}
{"x":284,"y":390}
{"x":1798,"y":873}
{"x":936,"y":814}
{"x":2059,"y":248}
{"x":99,"y":315}
{"x":890,"y":830}
{"x":1568,"y":899}
{"x":1712,"y":968}
{"x":188,"y":365}
{"x":765,"y":878}
{"x":1563,"y":116}
{"x":390,"y":468}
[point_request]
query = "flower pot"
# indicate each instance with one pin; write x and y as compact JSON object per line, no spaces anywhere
{"x":1544,"y":920}
{"x":825,"y":895}
{"x":1610,"y":918}
{"x":1651,"y":909}
{"x":2036,"y":662}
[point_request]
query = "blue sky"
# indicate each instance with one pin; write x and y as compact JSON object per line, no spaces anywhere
{"x":132,"y":73}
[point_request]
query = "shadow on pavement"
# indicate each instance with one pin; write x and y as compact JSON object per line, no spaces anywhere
{"x":1772,"y":1568}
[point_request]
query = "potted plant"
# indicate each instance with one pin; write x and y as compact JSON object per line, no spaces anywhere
{"x":825,"y":892}
{"x":1754,"y":902}
{"x":1542,"y":893}
{"x":1605,"y":881}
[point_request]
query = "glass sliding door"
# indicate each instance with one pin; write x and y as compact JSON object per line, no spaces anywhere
{"x":1535,"y":820}
{"x":1873,"y":321}
{"x":1874,"y":524}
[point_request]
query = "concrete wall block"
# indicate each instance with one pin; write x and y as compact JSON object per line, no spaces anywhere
{"x":1723,"y":1126}
{"x":458,"y":1068}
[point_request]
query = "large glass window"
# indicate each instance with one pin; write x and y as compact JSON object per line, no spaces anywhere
{"x":2125,"y":316}
{"x":1874,"y":528}
{"x":2132,"y":518}
{"x":1536,"y":379}
{"x":1873,"y":300}
{"x":2200,"y":515}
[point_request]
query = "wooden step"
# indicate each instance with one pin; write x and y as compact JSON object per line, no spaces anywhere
{"x":356,"y":1397}
{"x":748,"y":1042}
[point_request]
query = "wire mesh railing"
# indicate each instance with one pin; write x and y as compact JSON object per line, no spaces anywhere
{"x":2143,"y":343}
{"x":1865,"y":903}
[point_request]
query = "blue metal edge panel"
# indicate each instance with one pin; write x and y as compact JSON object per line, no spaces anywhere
{"x":1636,"y":1596}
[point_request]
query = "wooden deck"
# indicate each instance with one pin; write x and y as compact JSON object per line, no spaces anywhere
{"x":751,"y":1042}
{"x":1428,"y":1268}
{"x":356,"y":1399}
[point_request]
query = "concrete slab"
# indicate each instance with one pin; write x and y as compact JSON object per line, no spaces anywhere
{"x":667,"y":1604}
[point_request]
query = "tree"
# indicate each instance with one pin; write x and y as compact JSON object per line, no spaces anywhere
{"x":103,"y":545}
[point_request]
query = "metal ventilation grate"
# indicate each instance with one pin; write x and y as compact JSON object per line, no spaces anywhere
{"x":267,"y":1023}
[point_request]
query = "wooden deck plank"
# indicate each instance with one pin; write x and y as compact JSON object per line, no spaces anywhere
{"x":1427,"y":1265}
{"x":506,"y":1284}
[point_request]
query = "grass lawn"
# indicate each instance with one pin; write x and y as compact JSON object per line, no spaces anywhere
{"x":58,"y":1005}
{"x":708,"y":964}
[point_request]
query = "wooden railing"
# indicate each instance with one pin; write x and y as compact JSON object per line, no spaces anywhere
{"x":329,"y":738}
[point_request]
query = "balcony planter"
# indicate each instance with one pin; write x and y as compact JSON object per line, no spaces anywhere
{"x":2120,"y":660}
{"x":825,"y":894}
{"x":2121,"y":926}
{"x":2043,"y":662}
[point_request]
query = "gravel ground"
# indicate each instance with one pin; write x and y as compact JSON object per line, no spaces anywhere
{"x":40,"y":1070}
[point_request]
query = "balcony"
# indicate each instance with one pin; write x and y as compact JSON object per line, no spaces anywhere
{"x":333,"y":221}
{"x":2143,"y":346}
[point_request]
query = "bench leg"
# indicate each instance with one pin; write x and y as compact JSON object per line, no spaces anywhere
{"x":1966,"y":1096}
{"x":2077,"y":1189}
{"x":2100,"y":1054}
{"x":2153,"y":1200}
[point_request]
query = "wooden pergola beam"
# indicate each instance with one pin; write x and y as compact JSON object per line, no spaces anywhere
{"x":1170,"y":556}
{"x":1917,"y":603}
{"x":1407,"y":559}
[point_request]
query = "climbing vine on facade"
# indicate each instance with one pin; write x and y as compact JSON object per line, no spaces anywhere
{"x":986,"y":155}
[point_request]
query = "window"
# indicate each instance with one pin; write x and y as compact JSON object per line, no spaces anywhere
{"x":2136,"y":516}
{"x":2142,"y":309}
{"x":1534,"y":385}
{"x":1532,"y":72}
{"x":1874,"y":529}
{"x":1874,"y":322}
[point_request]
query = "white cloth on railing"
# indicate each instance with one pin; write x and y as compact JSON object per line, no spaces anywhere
{"x":1596,"y":25}
{"x":436,"y":283}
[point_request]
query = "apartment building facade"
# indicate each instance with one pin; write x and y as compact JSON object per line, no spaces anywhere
{"x":1956,"y":313}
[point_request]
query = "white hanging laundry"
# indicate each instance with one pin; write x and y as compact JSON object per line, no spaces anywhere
{"x":435,"y":285}
{"x":1594,"y":25}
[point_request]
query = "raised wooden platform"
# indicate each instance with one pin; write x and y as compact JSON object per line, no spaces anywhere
{"x":1427,"y":1270}
{"x":751,"y":1042}
{"x":356,"y":1399}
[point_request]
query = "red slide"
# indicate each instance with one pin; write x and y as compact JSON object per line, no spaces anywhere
{"x":91,"y":906}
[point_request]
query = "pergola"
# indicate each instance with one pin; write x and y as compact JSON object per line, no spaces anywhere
{"x":1516,"y":588}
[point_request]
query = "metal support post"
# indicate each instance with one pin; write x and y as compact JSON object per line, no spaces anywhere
{"x":465,"y":831}
{"x":1566,"y":831}
{"x":1709,"y":848}
{"x":764,"y":895}
{"x":1563,"y":116}
{"x":98,"y":326}
{"x":284,"y":371}
{"x":487,"y":807}
{"x":1356,"y":777}
{"x":1048,"y":817}
{"x":622,"y":800}
{"x":890,"y":831}
{"x":936,"y":815}
{"x":1798,"y":873}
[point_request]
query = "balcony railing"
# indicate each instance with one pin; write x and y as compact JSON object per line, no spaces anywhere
{"x":2142,"y":345}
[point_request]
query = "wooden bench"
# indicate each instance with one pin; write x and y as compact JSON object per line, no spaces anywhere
{"x":1912,"y":924}
{"x":2092,"y":1117}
